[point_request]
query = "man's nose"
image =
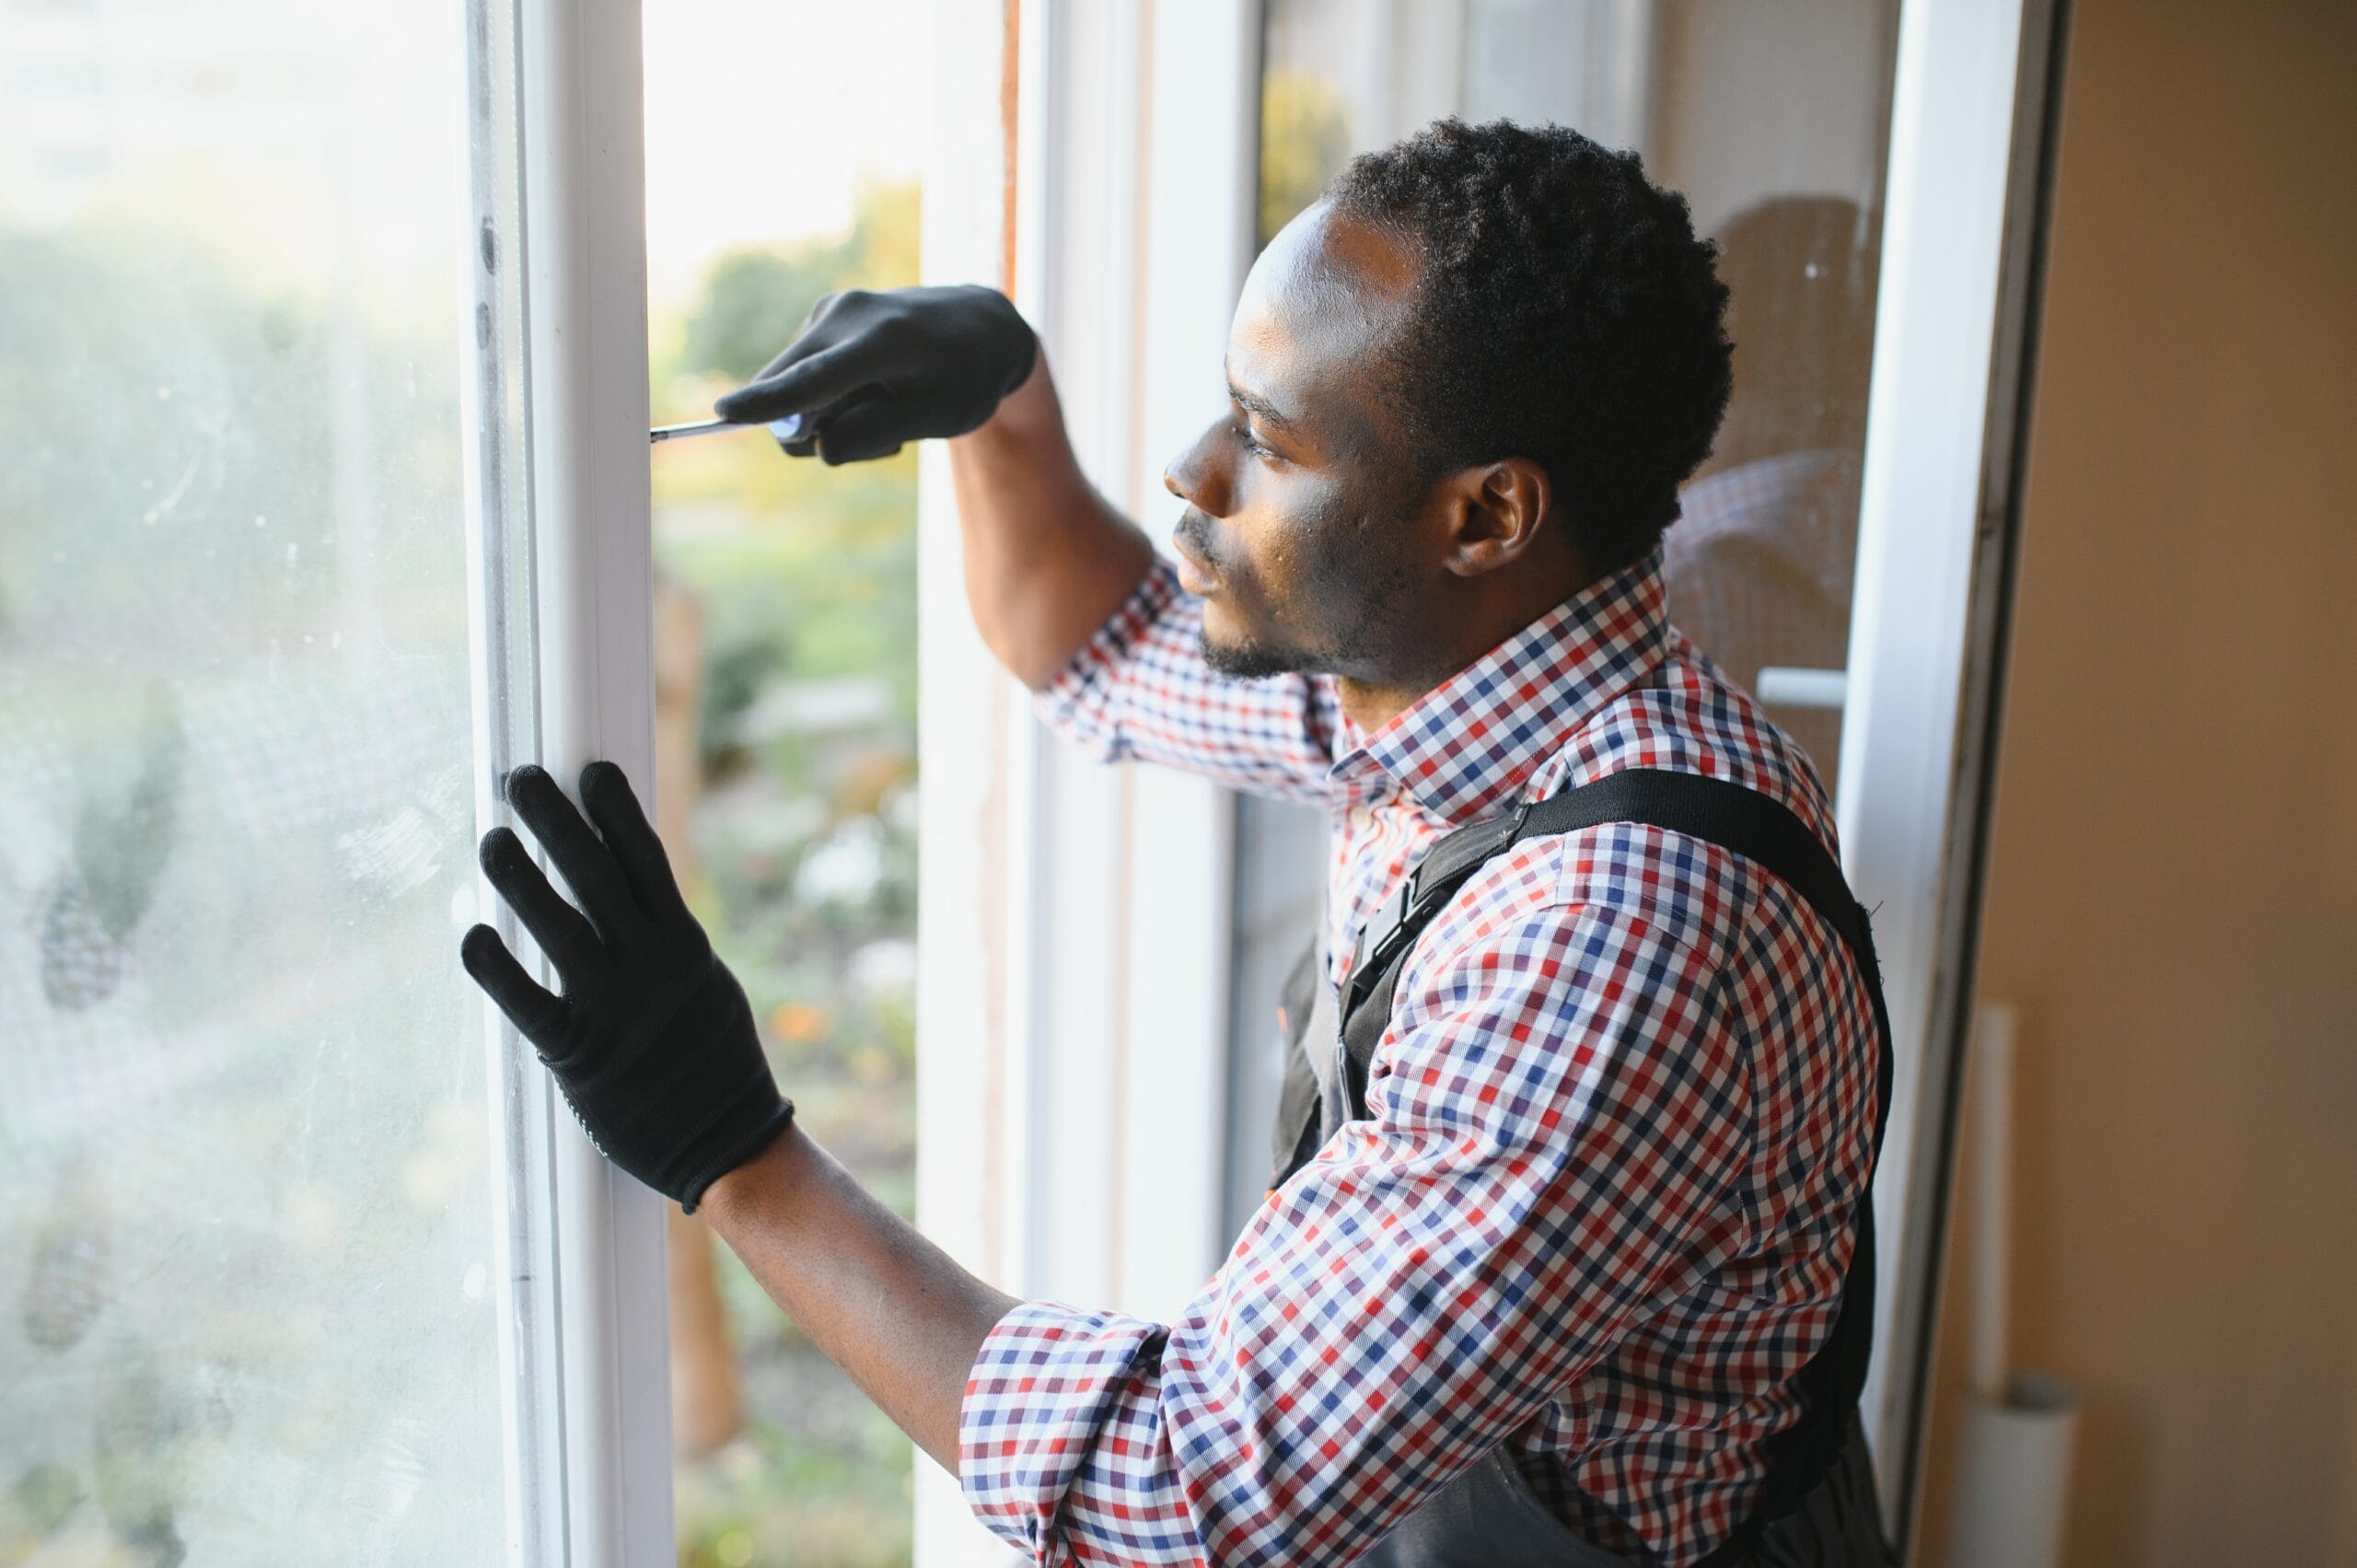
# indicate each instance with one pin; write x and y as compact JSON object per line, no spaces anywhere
{"x":1197,"y":476}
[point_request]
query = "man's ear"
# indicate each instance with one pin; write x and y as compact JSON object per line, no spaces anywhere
{"x":1495,"y":511}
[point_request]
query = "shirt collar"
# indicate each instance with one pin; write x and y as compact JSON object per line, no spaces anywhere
{"x":1480,"y":735}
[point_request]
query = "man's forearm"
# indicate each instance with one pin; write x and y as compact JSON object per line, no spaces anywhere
{"x":878,"y":1300}
{"x":1047,"y":560}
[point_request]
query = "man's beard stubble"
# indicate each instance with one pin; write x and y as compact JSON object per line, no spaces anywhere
{"x":1360,"y":647}
{"x":1250,"y":660}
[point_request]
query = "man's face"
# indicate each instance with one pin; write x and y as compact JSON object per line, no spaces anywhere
{"x":1303,"y":532}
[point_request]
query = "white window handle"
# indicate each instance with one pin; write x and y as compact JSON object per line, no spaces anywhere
{"x":1785,"y":686}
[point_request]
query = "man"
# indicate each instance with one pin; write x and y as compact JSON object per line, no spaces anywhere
{"x":1547,"y":1293}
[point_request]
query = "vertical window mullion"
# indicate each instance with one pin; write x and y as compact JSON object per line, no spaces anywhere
{"x":505,"y":686}
{"x":1953,"y":153}
{"x":584,"y":343}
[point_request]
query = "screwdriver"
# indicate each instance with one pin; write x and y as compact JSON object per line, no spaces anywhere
{"x":784,"y":429}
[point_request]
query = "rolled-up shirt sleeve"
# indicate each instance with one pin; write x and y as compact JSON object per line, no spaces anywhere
{"x":1557,"y":1138}
{"x":1140,"y":689}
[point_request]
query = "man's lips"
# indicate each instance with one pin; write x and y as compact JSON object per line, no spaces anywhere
{"x":1195,"y":574}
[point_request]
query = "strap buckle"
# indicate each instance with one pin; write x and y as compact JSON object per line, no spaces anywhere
{"x":1429,"y":885}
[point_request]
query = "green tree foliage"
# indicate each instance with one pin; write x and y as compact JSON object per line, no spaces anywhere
{"x":756,"y":299}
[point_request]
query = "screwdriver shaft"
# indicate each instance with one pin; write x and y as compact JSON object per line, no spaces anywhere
{"x":784,"y":429}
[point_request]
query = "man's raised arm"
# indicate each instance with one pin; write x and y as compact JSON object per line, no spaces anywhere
{"x":1047,"y":560}
{"x":1064,"y":590}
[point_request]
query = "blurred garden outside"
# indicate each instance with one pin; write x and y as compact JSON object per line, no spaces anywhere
{"x":797,"y":585}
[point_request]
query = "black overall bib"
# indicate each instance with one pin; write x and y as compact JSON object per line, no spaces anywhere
{"x":1818,"y":1508}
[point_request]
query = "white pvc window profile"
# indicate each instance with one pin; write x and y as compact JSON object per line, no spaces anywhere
{"x":1074,"y":918}
{"x":1134,"y":198}
{"x":560,"y":583}
{"x":1968,"y":102}
{"x":504,"y":680}
{"x":586,"y":347}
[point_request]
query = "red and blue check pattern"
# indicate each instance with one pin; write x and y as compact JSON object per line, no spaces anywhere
{"x":1600,"y":1209}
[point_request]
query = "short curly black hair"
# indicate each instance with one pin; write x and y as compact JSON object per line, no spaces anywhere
{"x":1565,"y":313}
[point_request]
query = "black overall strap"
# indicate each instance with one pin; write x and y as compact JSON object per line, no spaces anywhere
{"x":1763,"y":831}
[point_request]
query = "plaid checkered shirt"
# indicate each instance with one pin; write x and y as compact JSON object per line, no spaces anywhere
{"x":1600,"y":1205}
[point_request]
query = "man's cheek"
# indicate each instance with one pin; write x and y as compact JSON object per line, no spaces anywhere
{"x":1240,"y":616}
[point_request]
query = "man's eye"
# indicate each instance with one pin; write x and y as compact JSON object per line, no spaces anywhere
{"x":1244,"y":435}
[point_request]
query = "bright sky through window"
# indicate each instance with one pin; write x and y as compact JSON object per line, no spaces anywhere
{"x":811,"y":71}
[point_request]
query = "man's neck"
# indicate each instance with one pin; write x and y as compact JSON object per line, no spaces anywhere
{"x":1482,"y":623}
{"x":1370,"y":705}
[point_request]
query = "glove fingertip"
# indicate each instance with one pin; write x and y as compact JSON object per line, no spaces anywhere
{"x":491,"y":966}
{"x":484,"y":957}
{"x":602,"y":775}
{"x":498,"y":848}
{"x":526,"y":777}
{"x":605,"y":791}
{"x":757,"y":402}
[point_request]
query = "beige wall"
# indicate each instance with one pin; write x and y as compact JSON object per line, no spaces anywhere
{"x":2172,"y":899}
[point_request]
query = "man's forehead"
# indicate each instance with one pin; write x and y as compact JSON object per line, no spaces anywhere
{"x":1322,"y":298}
{"x":1324,"y":242}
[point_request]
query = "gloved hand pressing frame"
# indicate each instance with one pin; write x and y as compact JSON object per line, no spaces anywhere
{"x":652,"y":1040}
{"x":870,"y":372}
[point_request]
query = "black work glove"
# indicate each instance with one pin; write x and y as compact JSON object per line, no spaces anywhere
{"x":872,"y":371}
{"x":652,"y":1040}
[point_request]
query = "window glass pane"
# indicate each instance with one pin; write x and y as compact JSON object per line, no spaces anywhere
{"x":245,"y":1188}
{"x":785,"y":651}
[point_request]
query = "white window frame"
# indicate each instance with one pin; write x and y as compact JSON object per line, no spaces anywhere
{"x":1075,"y":919}
{"x":506,"y":724}
{"x":1972,"y":108}
{"x":585,"y":1354}
{"x":1129,"y":893}
{"x":585,"y":268}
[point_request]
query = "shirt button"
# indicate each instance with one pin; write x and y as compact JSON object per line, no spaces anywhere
{"x":1359,"y":816}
